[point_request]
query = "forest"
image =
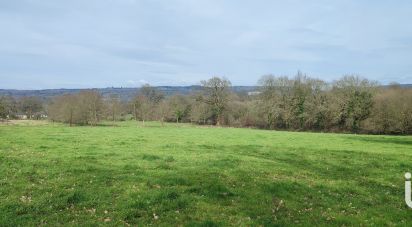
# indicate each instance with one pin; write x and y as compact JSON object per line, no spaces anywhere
{"x":351,"y":104}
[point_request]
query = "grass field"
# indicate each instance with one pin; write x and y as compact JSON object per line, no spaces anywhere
{"x":51,"y":174}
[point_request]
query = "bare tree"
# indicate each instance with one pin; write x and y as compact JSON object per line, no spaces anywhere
{"x":114,"y":106}
{"x":85,"y":107}
{"x":163,"y":111}
{"x":145,"y":102}
{"x":92,"y":106}
{"x":153,"y":95}
{"x":30,"y":106}
{"x":141,"y":107}
{"x":200,"y":112}
{"x":392,"y":111}
{"x":66,"y":109}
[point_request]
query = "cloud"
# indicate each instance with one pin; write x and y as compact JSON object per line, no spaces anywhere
{"x":48,"y":43}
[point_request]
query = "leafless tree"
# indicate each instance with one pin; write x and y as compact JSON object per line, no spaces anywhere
{"x":114,"y":106}
{"x":145,"y":102}
{"x":30,"y":105}
{"x":85,"y":107}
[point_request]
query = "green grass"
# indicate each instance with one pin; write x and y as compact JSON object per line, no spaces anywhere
{"x":51,"y":174}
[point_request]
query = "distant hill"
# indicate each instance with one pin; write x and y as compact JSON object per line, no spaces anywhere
{"x":406,"y":85}
{"x":124,"y":93}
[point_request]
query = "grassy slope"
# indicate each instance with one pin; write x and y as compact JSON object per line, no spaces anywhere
{"x":51,"y":174}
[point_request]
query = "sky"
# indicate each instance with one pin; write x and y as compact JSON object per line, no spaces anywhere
{"x":48,"y":44}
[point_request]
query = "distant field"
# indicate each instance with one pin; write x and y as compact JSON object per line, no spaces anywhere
{"x":52,"y":174}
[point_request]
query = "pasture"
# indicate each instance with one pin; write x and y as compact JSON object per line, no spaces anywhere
{"x":179,"y":174}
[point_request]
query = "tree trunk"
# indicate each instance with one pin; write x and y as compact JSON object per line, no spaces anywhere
{"x":218,"y":120}
{"x":71,"y":117}
{"x":135,"y":112}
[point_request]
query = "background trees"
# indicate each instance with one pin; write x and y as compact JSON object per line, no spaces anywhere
{"x":3,"y":108}
{"x":114,"y":107}
{"x":200,"y":113}
{"x":353,"y":99}
{"x":146,"y":102}
{"x":31,"y":106}
{"x":163,"y":111}
{"x":91,"y":105}
{"x":303,"y":103}
{"x":8,"y":107}
{"x":65,"y":109}
{"x":85,"y":107}
{"x":275,"y":101}
{"x":392,"y":111}
{"x":179,"y":107}
{"x":216,"y":93}
{"x":350,"y":104}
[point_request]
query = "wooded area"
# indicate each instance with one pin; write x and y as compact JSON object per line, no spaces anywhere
{"x":351,"y":104}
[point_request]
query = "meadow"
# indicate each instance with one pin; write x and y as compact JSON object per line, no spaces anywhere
{"x":184,"y":175}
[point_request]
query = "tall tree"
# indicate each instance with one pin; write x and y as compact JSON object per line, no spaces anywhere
{"x":354,"y":100}
{"x":66,"y":109}
{"x":92,"y":106}
{"x":216,"y":93}
{"x":146,"y":101}
{"x":163,"y":111}
{"x":275,"y":97}
{"x":7,"y":107}
{"x":141,"y":107}
{"x":179,"y":106}
{"x":114,"y":106}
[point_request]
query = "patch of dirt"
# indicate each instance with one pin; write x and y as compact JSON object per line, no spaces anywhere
{"x":24,"y":122}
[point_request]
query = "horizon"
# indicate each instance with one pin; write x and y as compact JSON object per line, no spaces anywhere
{"x":138,"y":87}
{"x":128,"y":43}
{"x":205,"y":112}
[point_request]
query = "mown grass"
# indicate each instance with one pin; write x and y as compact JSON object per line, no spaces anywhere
{"x":51,"y":174}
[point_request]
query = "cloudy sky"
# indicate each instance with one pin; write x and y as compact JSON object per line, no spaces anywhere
{"x":104,"y":43}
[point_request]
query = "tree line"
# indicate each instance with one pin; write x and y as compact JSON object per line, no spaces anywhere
{"x":30,"y":107}
{"x":350,"y":104}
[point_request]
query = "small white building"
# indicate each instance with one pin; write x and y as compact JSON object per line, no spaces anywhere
{"x":251,"y":93}
{"x":21,"y":116}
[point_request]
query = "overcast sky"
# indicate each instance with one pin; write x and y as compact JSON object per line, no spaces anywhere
{"x":104,"y":43}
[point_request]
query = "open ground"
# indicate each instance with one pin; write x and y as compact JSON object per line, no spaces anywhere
{"x":127,"y":174}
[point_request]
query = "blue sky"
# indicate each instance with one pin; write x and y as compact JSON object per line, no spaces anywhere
{"x":104,"y":43}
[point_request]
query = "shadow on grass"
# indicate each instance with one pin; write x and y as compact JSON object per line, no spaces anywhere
{"x":325,"y":163}
{"x":386,"y":140}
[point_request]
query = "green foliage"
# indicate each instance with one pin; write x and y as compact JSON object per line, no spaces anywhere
{"x":216,"y":94}
{"x":179,"y":174}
